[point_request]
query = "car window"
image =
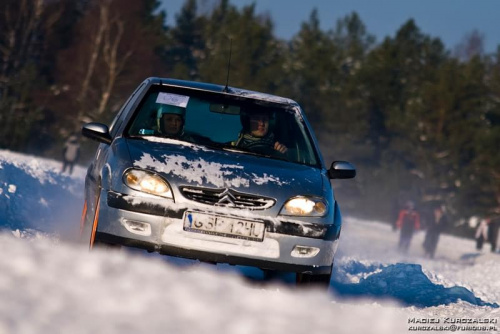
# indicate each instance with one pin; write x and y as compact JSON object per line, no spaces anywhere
{"x":122,"y":114}
{"x":241,"y":125}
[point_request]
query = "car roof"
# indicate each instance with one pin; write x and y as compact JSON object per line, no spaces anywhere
{"x":220,"y":89}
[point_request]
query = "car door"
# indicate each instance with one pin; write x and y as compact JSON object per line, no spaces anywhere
{"x":94,"y":172}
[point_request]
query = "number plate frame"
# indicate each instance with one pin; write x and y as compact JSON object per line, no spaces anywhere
{"x":224,"y":226}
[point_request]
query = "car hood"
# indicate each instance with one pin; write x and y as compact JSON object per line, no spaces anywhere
{"x":187,"y":164}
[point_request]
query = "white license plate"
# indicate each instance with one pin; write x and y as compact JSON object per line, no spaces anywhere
{"x":224,"y":226}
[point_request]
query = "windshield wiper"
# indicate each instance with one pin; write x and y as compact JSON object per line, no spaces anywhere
{"x":247,"y":151}
{"x":242,"y":150}
{"x":135,"y":137}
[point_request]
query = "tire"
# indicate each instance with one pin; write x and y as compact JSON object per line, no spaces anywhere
{"x":314,"y":280}
{"x":269,"y":275}
{"x":98,"y":244}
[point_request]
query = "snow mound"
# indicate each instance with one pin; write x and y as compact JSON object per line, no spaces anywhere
{"x":68,"y":290}
{"x":406,"y":283}
{"x":35,"y":195}
{"x":50,"y":284}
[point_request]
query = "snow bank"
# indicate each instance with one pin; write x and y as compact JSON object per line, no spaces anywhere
{"x":49,"y":284}
{"x":63,"y":289}
{"x":35,"y":195}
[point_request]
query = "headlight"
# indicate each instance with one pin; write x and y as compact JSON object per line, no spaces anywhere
{"x":147,"y":182}
{"x":304,"y":206}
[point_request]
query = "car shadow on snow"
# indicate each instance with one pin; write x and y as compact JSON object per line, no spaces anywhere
{"x":470,"y":258}
{"x":402,"y":282}
{"x":405,"y":283}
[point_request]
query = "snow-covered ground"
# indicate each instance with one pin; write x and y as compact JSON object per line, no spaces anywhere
{"x":51,"y":284}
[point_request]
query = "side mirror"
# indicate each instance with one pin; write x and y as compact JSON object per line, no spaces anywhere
{"x":98,"y":132}
{"x":341,"y":170}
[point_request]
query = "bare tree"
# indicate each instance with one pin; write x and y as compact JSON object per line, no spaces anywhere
{"x":111,"y":50}
{"x":95,"y":48}
{"x":114,"y":61}
{"x":105,"y":57}
{"x":20,"y":23}
{"x":25,"y":26}
{"x":472,"y":45}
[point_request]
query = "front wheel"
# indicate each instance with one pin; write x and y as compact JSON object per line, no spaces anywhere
{"x":314,"y":280}
{"x":98,"y":244}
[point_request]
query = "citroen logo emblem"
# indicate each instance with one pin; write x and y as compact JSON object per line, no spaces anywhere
{"x":226,"y":199}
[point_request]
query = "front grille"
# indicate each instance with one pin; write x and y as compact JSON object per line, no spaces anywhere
{"x":227,"y":197}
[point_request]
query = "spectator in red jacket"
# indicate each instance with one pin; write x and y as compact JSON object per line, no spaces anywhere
{"x":408,"y":221}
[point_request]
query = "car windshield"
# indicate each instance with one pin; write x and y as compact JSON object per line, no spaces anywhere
{"x":225,"y":122}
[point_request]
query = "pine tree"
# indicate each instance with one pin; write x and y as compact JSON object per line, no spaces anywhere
{"x":313,"y":69}
{"x":186,"y":47}
{"x":256,"y":56}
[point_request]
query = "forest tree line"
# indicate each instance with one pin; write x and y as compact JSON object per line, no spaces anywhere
{"x":419,"y":121}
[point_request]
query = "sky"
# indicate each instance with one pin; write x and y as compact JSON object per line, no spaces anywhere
{"x":52,"y":284}
{"x":450,"y":20}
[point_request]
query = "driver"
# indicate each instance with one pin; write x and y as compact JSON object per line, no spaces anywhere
{"x":170,"y":122}
{"x":256,"y":136}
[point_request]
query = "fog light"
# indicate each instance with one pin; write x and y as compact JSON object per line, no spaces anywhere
{"x":137,"y":227}
{"x":304,"y":251}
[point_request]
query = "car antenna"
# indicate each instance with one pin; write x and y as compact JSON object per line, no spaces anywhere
{"x":226,"y":89}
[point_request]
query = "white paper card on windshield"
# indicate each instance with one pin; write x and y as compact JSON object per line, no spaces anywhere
{"x":173,"y":99}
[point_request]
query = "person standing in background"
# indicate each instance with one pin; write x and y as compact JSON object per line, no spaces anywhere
{"x":71,"y":152}
{"x":493,"y":232}
{"x":408,"y":221}
{"x":481,"y":233}
{"x":436,"y":226}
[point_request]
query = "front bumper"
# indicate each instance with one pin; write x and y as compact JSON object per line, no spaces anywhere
{"x":166,"y":235}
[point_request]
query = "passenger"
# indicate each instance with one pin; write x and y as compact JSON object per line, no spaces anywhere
{"x":170,"y":122}
{"x":255,"y":135}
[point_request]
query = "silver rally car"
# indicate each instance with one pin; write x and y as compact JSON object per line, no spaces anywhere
{"x":217,"y":174}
